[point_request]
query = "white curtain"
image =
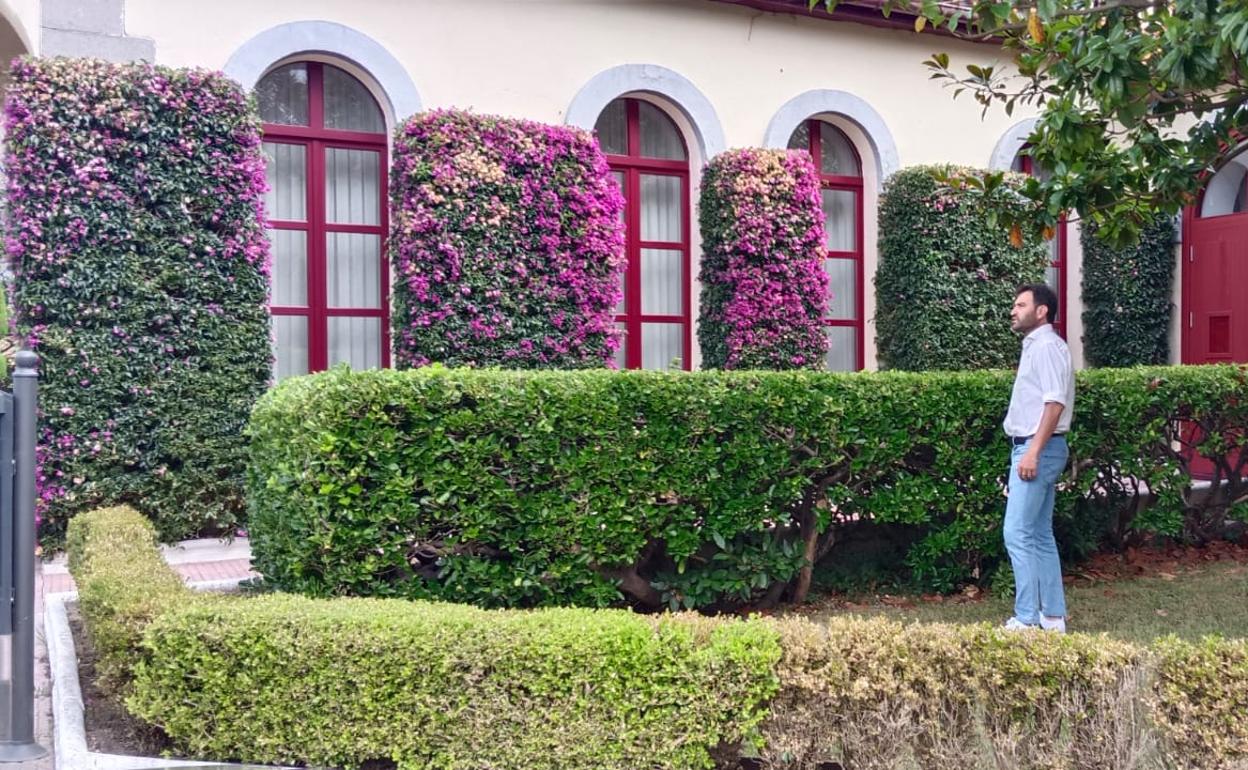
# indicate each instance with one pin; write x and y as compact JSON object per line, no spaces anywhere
{"x":352,"y":187}
{"x":661,"y":208}
{"x":842,"y":349}
{"x":348,"y":104}
{"x":612,"y":128}
{"x":286,"y":170}
{"x":662,"y":346}
{"x":621,"y":353}
{"x":842,"y":288}
{"x":840,"y":219}
{"x":662,"y":277}
{"x":659,"y":136}
{"x":353,"y":270}
{"x":837,"y":153}
{"x":290,"y":267}
{"x":282,"y":96}
{"x":290,"y":334}
{"x":356,"y":341}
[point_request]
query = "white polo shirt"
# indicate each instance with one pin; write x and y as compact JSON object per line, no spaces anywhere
{"x":1045,"y":375}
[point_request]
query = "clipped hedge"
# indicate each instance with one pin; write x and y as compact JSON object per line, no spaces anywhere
{"x":947,"y":271}
{"x":764,"y":292}
{"x":341,"y":683}
{"x":1201,"y":700}
{"x":877,"y":695}
{"x":432,"y":685}
{"x":135,"y":235}
{"x":703,"y":489}
{"x":1127,"y":297}
{"x":360,"y":682}
{"x":122,"y":583}
{"x":507,"y":244}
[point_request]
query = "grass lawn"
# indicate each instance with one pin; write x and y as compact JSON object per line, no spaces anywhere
{"x":1205,"y":596}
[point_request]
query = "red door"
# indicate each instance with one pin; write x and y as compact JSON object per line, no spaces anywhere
{"x":1215,"y":290}
{"x":1215,"y":297}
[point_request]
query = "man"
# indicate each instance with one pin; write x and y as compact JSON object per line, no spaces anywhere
{"x":1036,"y":423}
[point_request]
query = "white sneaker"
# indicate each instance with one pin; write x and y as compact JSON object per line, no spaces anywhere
{"x":1053,"y":624}
{"x":1014,"y":624}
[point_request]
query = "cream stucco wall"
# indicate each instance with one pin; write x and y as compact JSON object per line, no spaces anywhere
{"x":530,"y":58}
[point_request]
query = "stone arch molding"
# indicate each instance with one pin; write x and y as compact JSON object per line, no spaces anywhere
{"x":1010,"y":143}
{"x":855,"y":109}
{"x":253,"y":58}
{"x":683,"y":95}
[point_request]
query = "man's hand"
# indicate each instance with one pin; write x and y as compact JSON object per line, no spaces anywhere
{"x":1027,"y":465}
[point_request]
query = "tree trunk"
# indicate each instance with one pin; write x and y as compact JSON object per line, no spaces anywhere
{"x":810,"y":536}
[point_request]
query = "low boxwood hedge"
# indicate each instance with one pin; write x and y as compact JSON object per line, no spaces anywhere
{"x":874,"y":694}
{"x":351,"y":682}
{"x":702,"y":489}
{"x":122,"y":583}
{"x":286,"y":679}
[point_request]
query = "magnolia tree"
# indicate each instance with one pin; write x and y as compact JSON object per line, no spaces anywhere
{"x":1138,"y":99}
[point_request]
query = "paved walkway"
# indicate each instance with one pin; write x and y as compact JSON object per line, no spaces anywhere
{"x":196,"y":560}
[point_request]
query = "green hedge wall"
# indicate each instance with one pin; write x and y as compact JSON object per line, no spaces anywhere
{"x":947,"y":272}
{"x":1126,"y":297}
{"x":703,"y":489}
{"x":357,"y":682}
{"x":135,"y":234}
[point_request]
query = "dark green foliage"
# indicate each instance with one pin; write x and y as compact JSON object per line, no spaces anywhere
{"x":135,"y":235}
{"x":1126,"y":297}
{"x":948,"y":271}
{"x":700,"y":489}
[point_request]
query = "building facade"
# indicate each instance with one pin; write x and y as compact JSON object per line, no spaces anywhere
{"x":667,"y":84}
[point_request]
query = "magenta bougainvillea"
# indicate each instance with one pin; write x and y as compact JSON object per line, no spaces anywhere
{"x":136,"y":241}
{"x":764,"y":291}
{"x":506,"y":242}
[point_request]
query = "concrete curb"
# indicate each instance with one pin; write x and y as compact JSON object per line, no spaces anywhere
{"x":68,"y":722}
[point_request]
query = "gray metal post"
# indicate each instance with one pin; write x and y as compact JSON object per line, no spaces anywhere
{"x":19,"y":745}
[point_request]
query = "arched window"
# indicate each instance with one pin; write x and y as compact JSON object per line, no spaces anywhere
{"x":325,"y":146}
{"x":1055,"y":274}
{"x":650,"y":162}
{"x":840,"y":176}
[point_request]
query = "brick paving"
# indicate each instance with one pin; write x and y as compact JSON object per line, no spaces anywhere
{"x":197,"y":561}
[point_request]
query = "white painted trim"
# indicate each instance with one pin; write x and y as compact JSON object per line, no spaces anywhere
{"x":856,"y":110}
{"x":673,"y":87}
{"x":252,"y":59}
{"x":1010,"y":143}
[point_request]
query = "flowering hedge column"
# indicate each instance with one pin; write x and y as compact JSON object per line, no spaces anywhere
{"x":506,"y":242}
{"x":764,"y":292}
{"x":140,"y":267}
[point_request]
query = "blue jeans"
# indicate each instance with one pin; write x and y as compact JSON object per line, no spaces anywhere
{"x":1029,"y":534}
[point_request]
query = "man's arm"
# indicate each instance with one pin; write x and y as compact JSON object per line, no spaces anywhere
{"x":1030,"y":460}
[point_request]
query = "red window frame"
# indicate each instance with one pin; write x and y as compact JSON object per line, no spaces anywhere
{"x":1025,"y":165}
{"x":632,"y":166}
{"x":856,"y":185}
{"x":316,"y":139}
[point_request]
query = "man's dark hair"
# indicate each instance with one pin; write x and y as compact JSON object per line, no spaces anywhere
{"x":1041,"y":294}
